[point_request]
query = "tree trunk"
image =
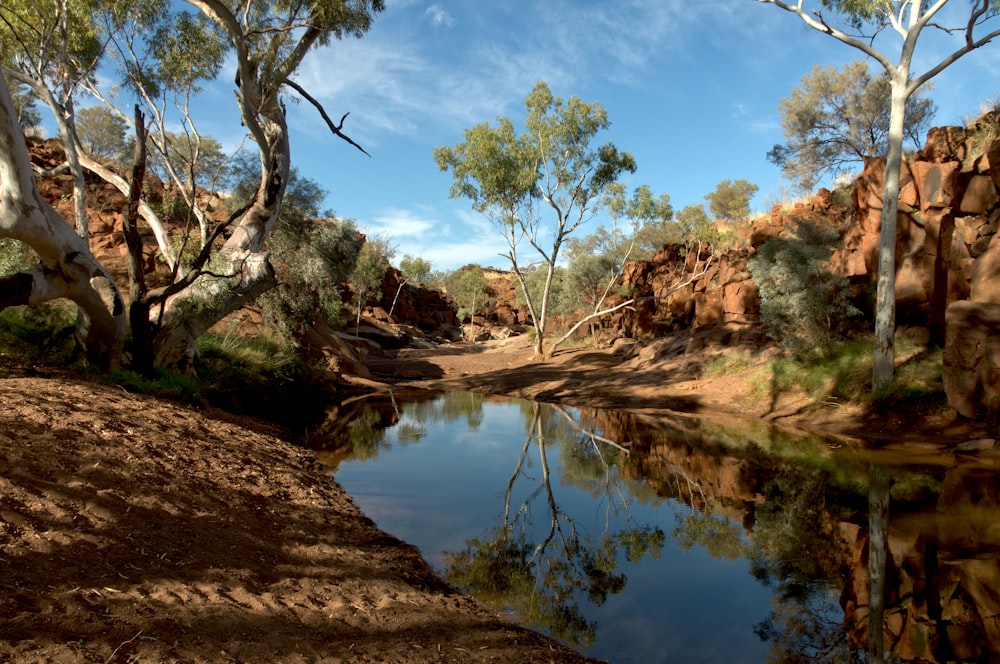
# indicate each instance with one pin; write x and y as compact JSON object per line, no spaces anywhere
{"x":66,"y":268}
{"x":249,"y":273}
{"x":885,"y":302}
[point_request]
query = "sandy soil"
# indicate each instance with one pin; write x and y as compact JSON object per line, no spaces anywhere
{"x":133,"y":529}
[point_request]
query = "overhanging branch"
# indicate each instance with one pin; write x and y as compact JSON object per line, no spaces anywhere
{"x":336,"y":129}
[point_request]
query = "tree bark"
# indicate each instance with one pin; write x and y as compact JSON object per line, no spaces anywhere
{"x":66,"y":269}
{"x":885,"y":299}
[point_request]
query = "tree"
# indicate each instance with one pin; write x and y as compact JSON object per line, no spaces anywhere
{"x":863,"y":21}
{"x":52,"y":47}
{"x":266,"y":42}
{"x":367,"y":276}
{"x":25,"y":106}
{"x":411,"y":269}
{"x":102,"y":134}
{"x":840,"y":117}
{"x":731,"y":199}
{"x":468,"y":286}
{"x":415,"y":268}
{"x":313,"y":258}
{"x":550,"y":167}
{"x":66,"y":267}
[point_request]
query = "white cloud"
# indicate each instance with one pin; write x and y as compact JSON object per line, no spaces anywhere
{"x":439,"y":16}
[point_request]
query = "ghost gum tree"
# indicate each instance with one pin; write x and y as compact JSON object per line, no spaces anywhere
{"x":66,"y":267}
{"x":549,"y":171}
{"x":863,"y":25}
{"x":267,"y":41}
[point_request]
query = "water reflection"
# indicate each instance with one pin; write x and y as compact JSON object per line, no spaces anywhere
{"x":814,"y":549}
{"x":536,"y":560}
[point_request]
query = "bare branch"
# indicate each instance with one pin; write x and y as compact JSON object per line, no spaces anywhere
{"x":336,"y":129}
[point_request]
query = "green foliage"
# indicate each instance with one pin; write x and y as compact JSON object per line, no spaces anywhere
{"x":802,"y":303}
{"x":40,"y":334}
{"x":645,"y":230}
{"x":731,"y":199}
{"x":588,"y":278}
{"x":27,"y":28}
{"x":25,"y":106}
{"x":162,"y":384}
{"x":187,"y":49}
{"x":103,"y":134}
{"x":836,"y":118}
{"x":559,"y":302}
{"x":469,"y":288}
{"x":263,"y":377}
{"x":551,"y":167}
{"x":367,"y":276}
{"x":313,"y":259}
{"x":842,"y":374}
{"x":696,"y":228}
{"x":415,"y":269}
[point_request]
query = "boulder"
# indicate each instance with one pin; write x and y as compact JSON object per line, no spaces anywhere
{"x":971,"y":359}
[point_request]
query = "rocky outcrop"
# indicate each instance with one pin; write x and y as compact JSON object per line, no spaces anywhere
{"x":412,"y":304}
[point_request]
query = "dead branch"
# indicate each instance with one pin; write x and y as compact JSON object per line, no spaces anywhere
{"x":336,"y":129}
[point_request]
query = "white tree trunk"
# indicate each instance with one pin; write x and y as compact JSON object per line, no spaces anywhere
{"x":66,"y":269}
{"x":885,"y":301}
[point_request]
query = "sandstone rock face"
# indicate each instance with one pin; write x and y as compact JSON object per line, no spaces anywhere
{"x":426,"y":309}
{"x":971,"y":359}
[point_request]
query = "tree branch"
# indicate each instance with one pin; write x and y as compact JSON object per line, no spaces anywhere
{"x":336,"y":129}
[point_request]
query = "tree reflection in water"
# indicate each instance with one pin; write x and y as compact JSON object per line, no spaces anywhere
{"x":540,"y":569}
{"x":810,"y":516}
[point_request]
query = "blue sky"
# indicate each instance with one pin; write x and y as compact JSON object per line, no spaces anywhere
{"x":691,"y":89}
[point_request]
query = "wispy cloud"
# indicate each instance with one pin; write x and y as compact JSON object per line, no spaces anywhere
{"x":424,"y":232}
{"x":439,"y":17}
{"x":406,"y":82}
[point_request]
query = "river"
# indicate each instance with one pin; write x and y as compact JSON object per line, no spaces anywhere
{"x":664,"y":538}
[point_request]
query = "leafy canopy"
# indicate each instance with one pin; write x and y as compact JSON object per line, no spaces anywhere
{"x":731,"y":199}
{"x":838,"y":117}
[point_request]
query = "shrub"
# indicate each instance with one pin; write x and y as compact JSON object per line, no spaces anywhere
{"x":803,"y":304}
{"x":39,"y":334}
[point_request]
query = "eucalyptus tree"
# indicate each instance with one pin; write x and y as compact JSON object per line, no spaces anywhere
{"x":164,"y":58}
{"x":731,"y":199}
{"x":53,"y":48}
{"x":416,"y":269}
{"x":66,"y":267}
{"x":837,"y":117}
{"x":597,"y":261}
{"x":865,"y":25}
{"x":266,"y":42}
{"x":549,"y":171}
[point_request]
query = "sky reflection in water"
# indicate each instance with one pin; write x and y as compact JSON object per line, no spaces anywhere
{"x":634,"y":554}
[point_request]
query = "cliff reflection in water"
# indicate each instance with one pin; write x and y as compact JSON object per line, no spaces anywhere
{"x":793,"y":508}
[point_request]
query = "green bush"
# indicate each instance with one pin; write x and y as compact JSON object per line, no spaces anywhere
{"x":803,"y":304}
{"x":43,"y":333}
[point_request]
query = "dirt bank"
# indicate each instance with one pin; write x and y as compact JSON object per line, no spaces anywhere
{"x":656,"y":376}
{"x":135,"y":530}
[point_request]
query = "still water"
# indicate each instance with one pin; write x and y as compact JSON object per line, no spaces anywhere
{"x":666,"y":539}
